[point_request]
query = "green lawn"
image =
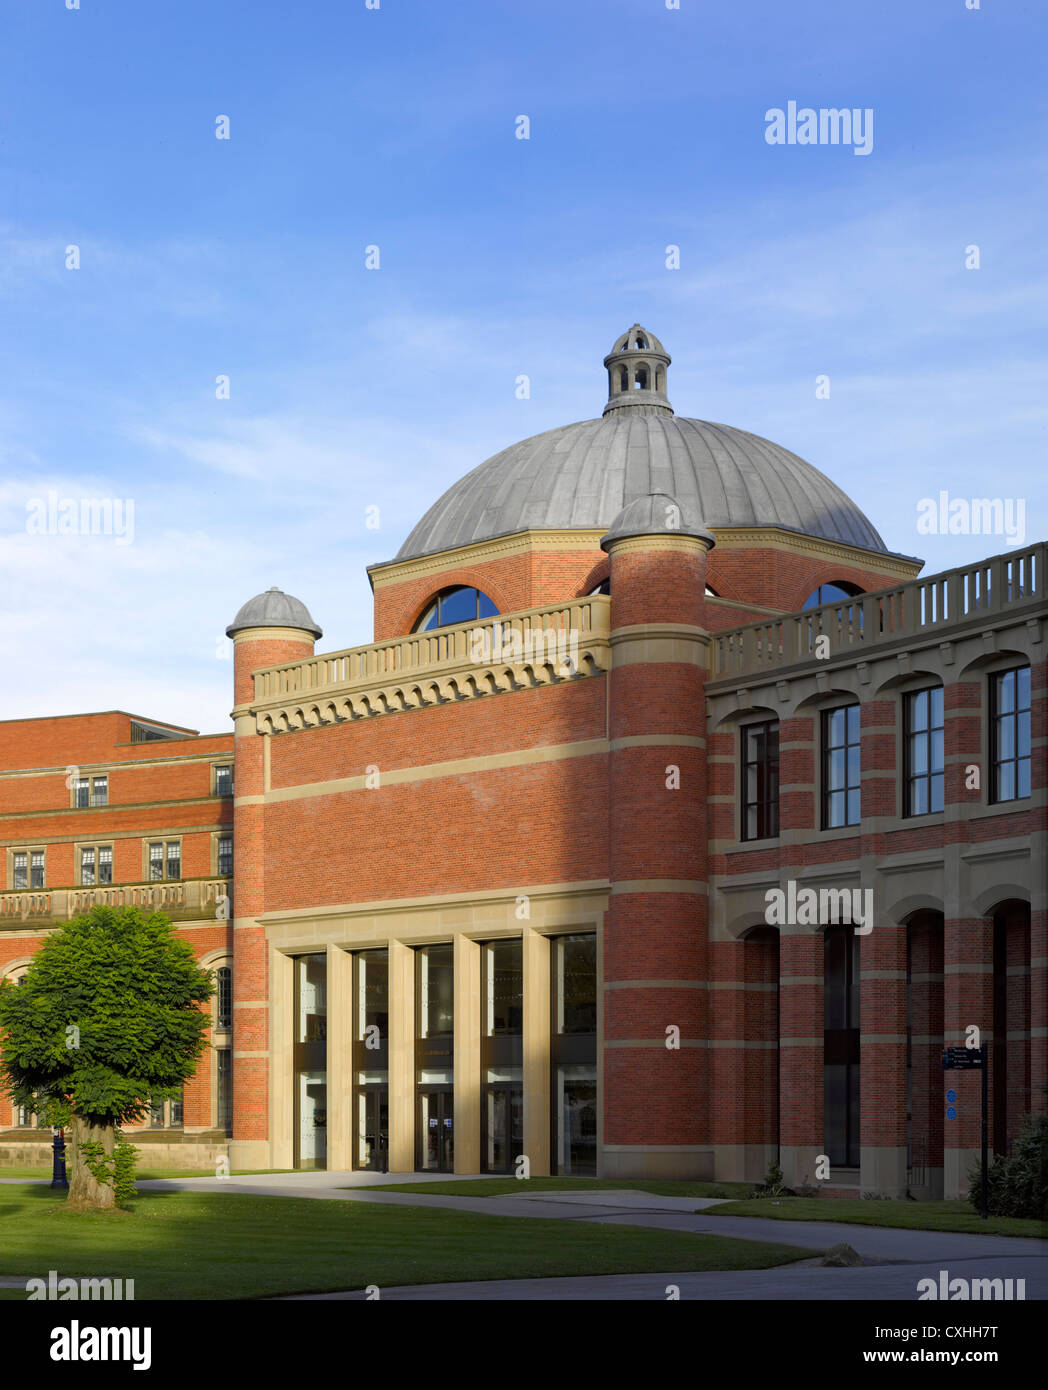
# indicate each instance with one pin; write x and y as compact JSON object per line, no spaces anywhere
{"x":498,"y":1187}
{"x":914,"y":1216}
{"x":149,"y":1173}
{"x":187,"y":1245}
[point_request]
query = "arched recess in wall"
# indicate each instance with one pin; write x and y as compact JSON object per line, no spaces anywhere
{"x":220,"y":1080}
{"x":461,"y":603}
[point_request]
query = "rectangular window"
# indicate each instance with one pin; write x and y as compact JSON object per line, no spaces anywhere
{"x":224,"y":857}
{"x":841,"y":962}
{"x":434,"y":1058}
{"x":163,"y":857}
{"x":36,"y":869}
{"x":573,"y":1054}
{"x":310,"y":1057}
{"x":87,"y":868}
{"x":840,"y":767}
{"x":105,"y":863}
{"x":223,"y":781}
{"x":224,"y":1009}
{"x":760,"y":780}
{"x":1010,"y":733}
{"x":177,"y":1110}
{"x":20,"y":869}
{"x":99,"y":791}
{"x":924,"y":751}
{"x":501,"y":1056}
{"x":156,"y":1115}
{"x":371,"y":1060}
{"x":224,"y":1089}
{"x":83,"y":791}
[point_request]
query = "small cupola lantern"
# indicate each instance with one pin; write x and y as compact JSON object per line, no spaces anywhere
{"x":637,"y":366}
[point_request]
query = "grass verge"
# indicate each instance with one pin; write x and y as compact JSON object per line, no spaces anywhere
{"x":188,"y":1245}
{"x":913,"y":1216}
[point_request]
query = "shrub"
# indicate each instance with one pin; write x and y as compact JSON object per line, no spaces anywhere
{"x":1017,"y":1185}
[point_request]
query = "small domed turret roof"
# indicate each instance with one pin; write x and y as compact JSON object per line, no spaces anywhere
{"x":656,"y":514}
{"x":274,"y":608}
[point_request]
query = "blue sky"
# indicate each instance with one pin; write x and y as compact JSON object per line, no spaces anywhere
{"x":353,"y":388}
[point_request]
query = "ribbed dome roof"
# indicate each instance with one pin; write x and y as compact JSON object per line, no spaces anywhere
{"x":274,"y":608}
{"x":581,"y":476}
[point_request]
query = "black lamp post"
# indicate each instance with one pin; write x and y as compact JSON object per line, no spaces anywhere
{"x":58,"y":1168}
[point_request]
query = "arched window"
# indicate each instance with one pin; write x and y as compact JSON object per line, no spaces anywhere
{"x":641,"y":383}
{"x":641,"y":341}
{"x":831,"y":593}
{"x":457,"y":605}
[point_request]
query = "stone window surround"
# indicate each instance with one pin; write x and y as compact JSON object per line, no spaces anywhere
{"x":89,"y":775}
{"x":28,"y":850}
{"x":97,"y":845}
{"x":165,"y":839}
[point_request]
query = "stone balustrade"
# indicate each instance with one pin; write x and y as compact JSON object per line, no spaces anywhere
{"x":537,"y":646}
{"x":187,"y":899}
{"x":938,"y":607}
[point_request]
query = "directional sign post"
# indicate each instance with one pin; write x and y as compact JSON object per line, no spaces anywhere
{"x":970,"y":1059}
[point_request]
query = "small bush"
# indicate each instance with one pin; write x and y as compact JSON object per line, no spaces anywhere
{"x":773,"y":1185}
{"x":1017,"y":1185}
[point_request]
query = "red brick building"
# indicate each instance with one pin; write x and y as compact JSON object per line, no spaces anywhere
{"x":670,"y":826}
{"x":110,"y":808}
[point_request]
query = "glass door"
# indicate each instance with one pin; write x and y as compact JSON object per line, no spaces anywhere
{"x":436,"y":1130}
{"x":373,"y":1129}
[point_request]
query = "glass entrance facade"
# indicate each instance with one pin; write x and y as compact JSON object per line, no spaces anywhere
{"x":501,"y":1056}
{"x":311,"y":1061}
{"x":371,"y":1061}
{"x":434,"y":1058}
{"x":574,"y":1054}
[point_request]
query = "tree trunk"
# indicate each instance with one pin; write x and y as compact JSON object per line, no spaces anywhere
{"x":86,"y":1193}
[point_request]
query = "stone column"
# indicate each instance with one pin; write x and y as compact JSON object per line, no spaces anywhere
{"x":467,"y":1054}
{"x":339,"y":1059}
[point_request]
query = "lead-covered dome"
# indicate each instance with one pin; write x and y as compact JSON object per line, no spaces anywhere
{"x":274,"y":608}
{"x":581,"y":476}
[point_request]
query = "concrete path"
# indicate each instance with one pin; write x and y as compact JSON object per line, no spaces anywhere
{"x":790,"y":1283}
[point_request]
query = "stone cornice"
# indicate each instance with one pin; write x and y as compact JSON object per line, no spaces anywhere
{"x":778,"y":538}
{"x":734,"y":537}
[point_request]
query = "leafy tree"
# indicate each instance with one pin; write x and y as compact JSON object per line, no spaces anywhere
{"x":106,"y":1021}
